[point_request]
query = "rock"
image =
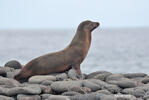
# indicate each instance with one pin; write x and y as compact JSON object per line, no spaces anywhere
{"x":98,"y":82}
{"x":9,"y":83}
{"x":102,"y":75}
{"x":145,"y":87}
{"x":30,"y":89}
{"x":134,"y":75}
{"x":82,"y":90}
{"x":47,"y":82}
{"x":114,"y":77}
{"x":13,"y":64}
{"x":92,"y":96}
{"x":107,"y":97}
{"x":45,"y":96}
{"x":58,"y":97}
{"x":3,"y":73}
{"x":46,"y":89}
{"x":40,"y":78}
{"x":62,"y":76}
{"x":113,"y":88}
{"x":110,"y":87}
{"x":146,"y":96}
{"x":70,"y":93}
{"x":11,"y":74}
{"x":28,"y":97}
{"x":125,"y":97}
{"x":138,"y":81}
{"x":63,"y":86}
{"x":94,"y":87}
{"x":82,"y":76}
{"x":119,"y":80}
{"x":145,"y":80}
{"x":72,"y":74}
{"x":139,"y":99}
{"x":7,"y":69}
{"x":124,"y":83}
{"x":104,"y":92}
{"x":138,"y":92}
{"x":2,"y":97}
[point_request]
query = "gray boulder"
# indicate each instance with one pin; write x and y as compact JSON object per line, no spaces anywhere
{"x":63,"y":86}
{"x":30,"y":89}
{"x":138,"y":92}
{"x":82,"y":90}
{"x":104,"y":92}
{"x":114,"y":77}
{"x":28,"y":97}
{"x":3,"y":73}
{"x":45,"y":96}
{"x":57,"y":97}
{"x":9,"y":83}
{"x":11,"y":74}
{"x":40,"y":78}
{"x":7,"y":69}
{"x":124,"y":83}
{"x":2,"y":97}
{"x":121,"y":81}
{"x":110,"y":87}
{"x":70,"y":93}
{"x":134,"y":75}
{"x":125,"y":97}
{"x":102,"y":75}
{"x":13,"y":64}
{"x":93,"y":96}
{"x":62,"y":76}
{"x":72,"y":74}
{"x":46,"y":89}
{"x":47,"y":82}
{"x":145,"y":80}
{"x":94,"y":87}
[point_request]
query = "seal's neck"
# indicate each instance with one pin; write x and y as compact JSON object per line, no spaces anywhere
{"x":81,"y":37}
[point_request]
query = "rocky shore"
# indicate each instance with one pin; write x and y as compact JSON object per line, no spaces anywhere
{"x":99,"y":85}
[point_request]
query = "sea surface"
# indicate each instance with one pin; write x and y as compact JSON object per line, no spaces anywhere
{"x":115,"y":50}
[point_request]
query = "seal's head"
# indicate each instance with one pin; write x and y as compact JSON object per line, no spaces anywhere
{"x":88,"y":26}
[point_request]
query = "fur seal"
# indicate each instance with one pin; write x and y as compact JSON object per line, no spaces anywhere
{"x":72,"y":56}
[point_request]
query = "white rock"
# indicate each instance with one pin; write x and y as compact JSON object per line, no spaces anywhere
{"x":40,"y":78}
{"x":57,"y":97}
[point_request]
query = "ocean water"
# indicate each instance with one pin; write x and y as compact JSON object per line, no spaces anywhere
{"x":114,"y":50}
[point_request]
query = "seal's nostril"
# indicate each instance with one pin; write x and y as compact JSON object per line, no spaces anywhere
{"x":97,"y":24}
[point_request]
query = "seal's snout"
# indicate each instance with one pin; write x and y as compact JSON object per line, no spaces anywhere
{"x":96,"y":24}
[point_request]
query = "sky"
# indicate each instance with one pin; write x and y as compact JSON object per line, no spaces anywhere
{"x":48,"y":14}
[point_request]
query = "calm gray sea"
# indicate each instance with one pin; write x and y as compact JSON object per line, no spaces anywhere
{"x":114,"y":50}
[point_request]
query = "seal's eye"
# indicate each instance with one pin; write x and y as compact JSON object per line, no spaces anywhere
{"x":90,"y":26}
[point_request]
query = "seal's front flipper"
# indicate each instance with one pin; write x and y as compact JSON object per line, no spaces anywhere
{"x":77,"y":68}
{"x":75,"y":73}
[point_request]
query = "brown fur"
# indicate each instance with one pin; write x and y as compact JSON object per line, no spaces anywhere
{"x":71,"y":56}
